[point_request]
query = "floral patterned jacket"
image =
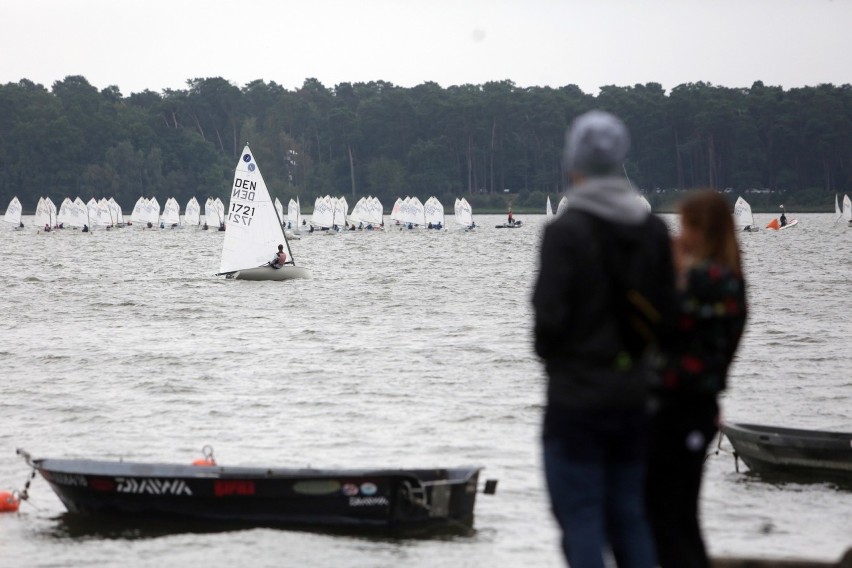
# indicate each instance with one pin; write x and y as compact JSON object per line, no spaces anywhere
{"x":711,"y":315}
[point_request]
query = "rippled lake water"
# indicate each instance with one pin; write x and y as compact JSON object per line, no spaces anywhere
{"x":406,"y":349}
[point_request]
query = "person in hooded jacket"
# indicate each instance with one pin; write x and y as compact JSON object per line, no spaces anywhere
{"x":604,"y":262}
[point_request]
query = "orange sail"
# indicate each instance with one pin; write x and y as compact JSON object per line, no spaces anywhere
{"x":774,"y":224}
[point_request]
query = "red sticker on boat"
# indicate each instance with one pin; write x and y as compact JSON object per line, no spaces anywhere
{"x":225,"y":488}
{"x":102,"y":483}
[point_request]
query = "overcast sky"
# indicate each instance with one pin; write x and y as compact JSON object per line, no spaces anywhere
{"x":159,"y":44}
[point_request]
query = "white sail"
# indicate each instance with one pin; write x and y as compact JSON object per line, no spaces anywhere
{"x":548,"y":211}
{"x":359,"y":212}
{"x":396,"y":212}
{"x":562,"y":203}
{"x":220,"y":207}
{"x":152,"y":211}
{"x":93,"y":212}
{"x":79,"y":214}
{"x":837,"y":210}
{"x":464,"y":213}
{"x":192,"y":213}
{"x":13,"y":212}
{"x":340,"y":210}
{"x":645,"y":202}
{"x":115,"y":211}
{"x":104,"y":214}
{"x":254,"y":231}
{"x":171,"y":213}
{"x":279,"y":208}
{"x":323,"y":215}
{"x":433,"y":212}
{"x":42,"y":215}
{"x":742,"y":214}
{"x":138,"y":214}
{"x":412,"y":212}
{"x":294,"y":215}
{"x":847,"y":208}
{"x":212,"y":215}
{"x":64,"y":215}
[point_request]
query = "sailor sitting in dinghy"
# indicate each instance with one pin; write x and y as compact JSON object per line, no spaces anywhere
{"x":280,"y":258}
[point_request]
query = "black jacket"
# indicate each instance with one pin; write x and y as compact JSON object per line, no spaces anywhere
{"x":586,"y":264}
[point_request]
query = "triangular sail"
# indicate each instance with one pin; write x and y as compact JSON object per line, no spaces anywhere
{"x":64,"y":215}
{"x":433,"y":212}
{"x":561,"y":205}
{"x":323,"y":215}
{"x":742,"y":214}
{"x":280,"y":209}
{"x":42,"y":215}
{"x":645,"y":203}
{"x":837,"y":210}
{"x":171,"y":212}
{"x":548,"y":211}
{"x":79,"y":214}
{"x":13,"y":212}
{"x":847,"y":208}
{"x":104,"y":214}
{"x":254,"y":229}
{"x":152,"y":211}
{"x":464,"y":213}
{"x":138,"y":214}
{"x":396,"y":212}
{"x":192,"y":213}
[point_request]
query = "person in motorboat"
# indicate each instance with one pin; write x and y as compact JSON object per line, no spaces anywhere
{"x":783,"y":219}
{"x":604,"y":262}
{"x":280,"y":258}
{"x":709,"y":321}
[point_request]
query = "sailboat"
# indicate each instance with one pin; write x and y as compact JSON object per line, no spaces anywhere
{"x":254,"y":230}
{"x":171,"y":213}
{"x":13,"y":213}
{"x":433,"y":212}
{"x":847,"y":209}
{"x":464,"y":214}
{"x":192,"y":213}
{"x":548,"y":210}
{"x":743,"y":218}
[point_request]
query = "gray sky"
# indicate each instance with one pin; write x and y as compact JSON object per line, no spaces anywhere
{"x":158,"y":44}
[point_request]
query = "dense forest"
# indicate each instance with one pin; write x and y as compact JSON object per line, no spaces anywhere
{"x":493,"y":142}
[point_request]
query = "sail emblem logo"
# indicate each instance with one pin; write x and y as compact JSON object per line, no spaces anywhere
{"x":247,"y":158}
{"x":350,"y":489}
{"x":368,"y":488}
{"x":251,"y":167}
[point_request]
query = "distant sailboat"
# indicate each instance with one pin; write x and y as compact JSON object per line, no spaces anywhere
{"x":433,"y":212}
{"x":743,"y":218}
{"x":847,"y":209}
{"x":464,"y":214}
{"x":192,"y":213}
{"x":548,"y":211}
{"x":254,"y":229}
{"x":171,"y":213}
{"x":13,"y":213}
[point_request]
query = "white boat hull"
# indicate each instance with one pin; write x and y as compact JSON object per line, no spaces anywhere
{"x":269,"y":273}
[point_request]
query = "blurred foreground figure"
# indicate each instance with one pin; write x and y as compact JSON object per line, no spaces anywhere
{"x":604,"y":292}
{"x":711,"y":313}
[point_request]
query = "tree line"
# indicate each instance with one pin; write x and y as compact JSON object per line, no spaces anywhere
{"x":380,"y":139}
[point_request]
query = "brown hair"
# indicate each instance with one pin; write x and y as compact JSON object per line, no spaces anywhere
{"x":709,"y":214}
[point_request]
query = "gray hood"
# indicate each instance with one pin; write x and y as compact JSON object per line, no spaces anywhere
{"x":610,"y":198}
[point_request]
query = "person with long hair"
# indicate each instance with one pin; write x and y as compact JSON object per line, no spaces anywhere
{"x":711,"y":315}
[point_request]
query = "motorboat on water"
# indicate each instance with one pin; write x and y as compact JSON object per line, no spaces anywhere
{"x":266,"y":496}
